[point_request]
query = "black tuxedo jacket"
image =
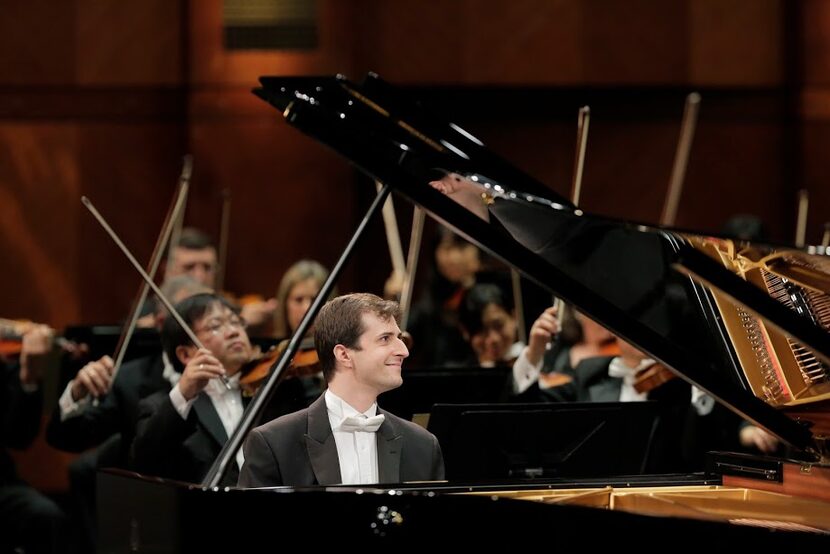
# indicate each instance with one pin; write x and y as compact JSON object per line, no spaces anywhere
{"x":116,"y":413}
{"x":298,"y":449}
{"x":168,"y":446}
{"x":19,"y":418}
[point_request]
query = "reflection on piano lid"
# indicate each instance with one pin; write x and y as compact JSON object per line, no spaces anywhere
{"x":748,"y":323}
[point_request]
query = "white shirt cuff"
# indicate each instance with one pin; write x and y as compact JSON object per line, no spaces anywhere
{"x":179,"y":402}
{"x":525,"y":373}
{"x":70,"y":408}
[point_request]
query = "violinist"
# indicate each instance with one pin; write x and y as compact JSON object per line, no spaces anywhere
{"x":180,"y":432}
{"x":488,"y":323}
{"x":556,"y":344}
{"x":433,"y":321}
{"x":31,"y":522}
{"x":615,"y":379}
{"x":344,"y":437}
{"x":195,"y":256}
{"x":304,"y":382}
{"x":97,"y":415}
{"x":93,"y":407}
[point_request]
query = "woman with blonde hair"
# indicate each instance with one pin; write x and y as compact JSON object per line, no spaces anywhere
{"x":297,"y":290}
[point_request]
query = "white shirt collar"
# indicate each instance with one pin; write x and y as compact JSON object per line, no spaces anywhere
{"x":339,"y":409}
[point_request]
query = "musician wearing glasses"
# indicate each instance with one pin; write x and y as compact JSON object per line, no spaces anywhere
{"x":344,"y":437}
{"x":180,"y":433}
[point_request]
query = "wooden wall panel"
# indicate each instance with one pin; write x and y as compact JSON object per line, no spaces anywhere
{"x":814,"y":45}
{"x":39,"y":184}
{"x":636,"y":42}
{"x":523,"y":42}
{"x":290,"y":197}
{"x":37,"y":38}
{"x":129,"y":171}
{"x":211,"y":64}
{"x":130,"y":42}
{"x":737,"y":43}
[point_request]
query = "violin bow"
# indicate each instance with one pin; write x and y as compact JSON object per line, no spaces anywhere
{"x":173,"y":212}
{"x":801,"y":220}
{"x":149,"y":281}
{"x":178,"y":221}
{"x":393,"y":238}
{"x":224,"y":229}
{"x":418,"y":217}
{"x":681,"y":159}
{"x":582,"y":123}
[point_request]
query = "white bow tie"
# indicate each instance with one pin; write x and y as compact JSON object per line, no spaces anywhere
{"x":361,"y":423}
{"x":617,"y":368}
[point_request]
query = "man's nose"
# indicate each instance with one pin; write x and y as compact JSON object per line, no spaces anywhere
{"x":402,"y":350}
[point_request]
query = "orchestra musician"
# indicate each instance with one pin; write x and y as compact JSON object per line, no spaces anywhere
{"x":97,"y":414}
{"x":344,"y":437}
{"x":433,"y":321}
{"x":544,"y":370}
{"x":195,"y":255}
{"x":180,"y":432}
{"x":297,"y":289}
{"x":487,"y":321}
{"x":31,"y":522}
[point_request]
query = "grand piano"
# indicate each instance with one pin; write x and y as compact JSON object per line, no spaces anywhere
{"x":749,"y":324}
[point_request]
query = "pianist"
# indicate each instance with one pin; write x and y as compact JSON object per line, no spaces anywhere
{"x":343,"y":437}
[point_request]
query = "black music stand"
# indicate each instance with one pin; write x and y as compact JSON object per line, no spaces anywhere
{"x":423,"y":388}
{"x":566,"y":439}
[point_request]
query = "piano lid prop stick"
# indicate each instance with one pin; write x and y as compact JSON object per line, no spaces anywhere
{"x":801,"y":223}
{"x":187,"y":171}
{"x":155,"y":260}
{"x":224,"y":226}
{"x":147,"y":279}
{"x":583,"y":122}
{"x":681,"y":159}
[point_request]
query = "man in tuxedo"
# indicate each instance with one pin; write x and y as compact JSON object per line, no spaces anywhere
{"x":97,"y":413}
{"x":343,"y":437}
{"x":95,"y":406}
{"x":180,"y":432}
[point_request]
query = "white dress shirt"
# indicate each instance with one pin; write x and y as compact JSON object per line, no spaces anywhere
{"x":227,"y":403}
{"x":357,"y":451}
{"x":525,"y":373}
{"x":618,"y":368}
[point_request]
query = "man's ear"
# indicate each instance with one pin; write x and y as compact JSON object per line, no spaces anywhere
{"x":342,"y":356}
{"x":185,"y":353}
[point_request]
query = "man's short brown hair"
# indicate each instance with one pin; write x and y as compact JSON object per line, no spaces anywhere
{"x":340,"y":321}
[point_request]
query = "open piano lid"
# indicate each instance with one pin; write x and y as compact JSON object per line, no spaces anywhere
{"x":634,"y":279}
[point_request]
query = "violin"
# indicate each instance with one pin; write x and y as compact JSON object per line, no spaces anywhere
{"x":652,"y":377}
{"x":304,"y":364}
{"x":11,"y":339}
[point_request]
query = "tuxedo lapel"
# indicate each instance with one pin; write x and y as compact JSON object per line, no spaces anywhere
{"x":390,"y":444}
{"x":319,"y":441}
{"x":209,"y":419}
